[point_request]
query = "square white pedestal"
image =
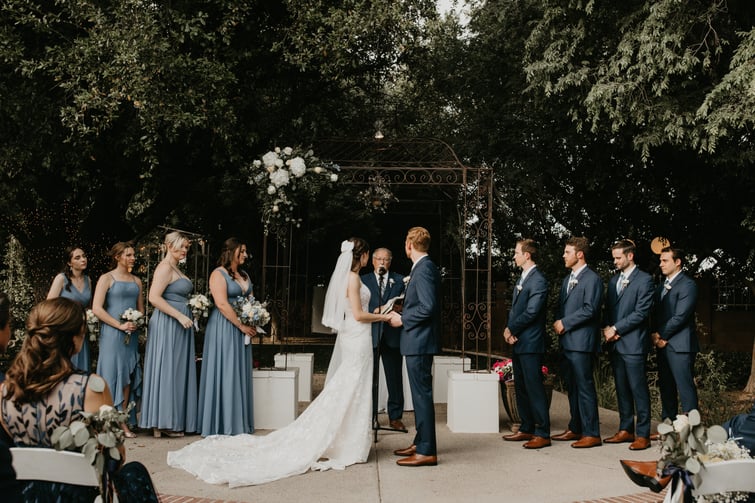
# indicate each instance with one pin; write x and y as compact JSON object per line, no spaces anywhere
{"x":305,"y":363}
{"x":276,"y":400}
{"x":472,"y":402}
{"x":441,"y":366}
{"x":383,"y":389}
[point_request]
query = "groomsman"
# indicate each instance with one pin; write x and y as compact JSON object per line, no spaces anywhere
{"x":674,"y":335}
{"x":420,"y":340}
{"x":628,"y":302}
{"x":383,"y":285}
{"x":525,"y":330}
{"x":578,"y":327}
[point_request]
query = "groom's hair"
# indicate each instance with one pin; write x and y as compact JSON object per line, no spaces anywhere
{"x":419,"y":237}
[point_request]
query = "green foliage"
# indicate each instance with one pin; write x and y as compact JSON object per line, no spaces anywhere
{"x":14,"y":281}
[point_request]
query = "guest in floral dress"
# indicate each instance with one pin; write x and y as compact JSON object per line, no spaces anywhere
{"x":118,"y":363}
{"x":73,"y":283}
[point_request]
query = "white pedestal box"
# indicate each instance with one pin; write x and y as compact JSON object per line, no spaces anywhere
{"x":472,"y":402}
{"x":305,"y":363}
{"x":383,"y":389}
{"x":441,"y":366}
{"x":276,"y":397}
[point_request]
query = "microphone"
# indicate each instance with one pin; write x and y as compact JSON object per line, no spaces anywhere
{"x":381,"y":270}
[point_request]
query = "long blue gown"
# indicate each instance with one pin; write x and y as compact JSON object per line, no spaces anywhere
{"x":118,"y":363}
{"x":81,"y":360}
{"x":170,"y":374}
{"x":225,"y":384}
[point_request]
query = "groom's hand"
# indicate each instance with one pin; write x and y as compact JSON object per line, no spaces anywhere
{"x":395,"y":319}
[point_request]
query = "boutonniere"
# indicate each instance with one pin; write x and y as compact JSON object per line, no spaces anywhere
{"x":406,"y":280}
{"x":573,"y":282}
{"x":624,"y":283}
{"x":391,"y":282}
{"x":518,"y":288}
{"x":667,"y":286}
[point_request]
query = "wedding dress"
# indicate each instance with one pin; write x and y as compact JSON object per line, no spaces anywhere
{"x":333,"y":432}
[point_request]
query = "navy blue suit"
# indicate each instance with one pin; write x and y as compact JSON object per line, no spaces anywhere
{"x":629,"y":312}
{"x":527,"y":323}
{"x":579,"y":312}
{"x":420,"y":340}
{"x":674,"y":320}
{"x":388,"y":338}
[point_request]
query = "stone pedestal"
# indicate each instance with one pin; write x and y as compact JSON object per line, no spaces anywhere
{"x":472,"y":402}
{"x":441,"y":366}
{"x":276,"y":397}
{"x":383,"y":390}
{"x":305,"y":363}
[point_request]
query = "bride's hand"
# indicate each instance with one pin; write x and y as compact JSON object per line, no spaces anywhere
{"x":394,"y":319}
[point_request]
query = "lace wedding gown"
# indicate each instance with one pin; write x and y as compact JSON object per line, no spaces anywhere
{"x":333,"y":432}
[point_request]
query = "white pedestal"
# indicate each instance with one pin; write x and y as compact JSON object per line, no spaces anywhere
{"x":383,"y":389}
{"x":472,"y":402}
{"x":276,"y":400}
{"x":441,"y":366}
{"x":305,"y":363}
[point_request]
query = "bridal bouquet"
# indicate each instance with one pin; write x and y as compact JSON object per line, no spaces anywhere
{"x":133,"y":316}
{"x":252,"y":313}
{"x":200,"y":308}
{"x":93,"y":325}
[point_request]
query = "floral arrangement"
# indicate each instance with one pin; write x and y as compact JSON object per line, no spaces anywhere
{"x":134,"y":316}
{"x":97,"y":436}
{"x":686,"y":446}
{"x":252,"y":313}
{"x":505,"y":370}
{"x":284,"y":178}
{"x":93,"y":325}
{"x":378,"y":195}
{"x":200,"y":308}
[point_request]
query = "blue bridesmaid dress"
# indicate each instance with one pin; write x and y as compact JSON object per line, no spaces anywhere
{"x":81,"y":360}
{"x":170,"y":373}
{"x":225,"y":384}
{"x":118,"y":363}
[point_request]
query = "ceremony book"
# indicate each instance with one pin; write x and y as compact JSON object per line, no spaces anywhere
{"x":392,"y":304}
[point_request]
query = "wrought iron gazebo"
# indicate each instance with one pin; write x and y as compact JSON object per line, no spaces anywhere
{"x":434,"y":186}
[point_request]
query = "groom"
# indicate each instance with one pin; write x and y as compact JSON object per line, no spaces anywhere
{"x":420,"y":340}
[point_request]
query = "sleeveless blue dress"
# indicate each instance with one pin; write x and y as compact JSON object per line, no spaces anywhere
{"x":225,"y":384}
{"x":118,"y":363}
{"x":81,"y":360}
{"x":169,"y":394}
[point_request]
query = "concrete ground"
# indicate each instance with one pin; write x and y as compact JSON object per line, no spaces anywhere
{"x":478,"y":466}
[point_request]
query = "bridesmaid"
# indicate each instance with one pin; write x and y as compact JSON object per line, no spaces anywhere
{"x":118,"y":363}
{"x":72,"y":283}
{"x":225,"y":384}
{"x":169,"y":403}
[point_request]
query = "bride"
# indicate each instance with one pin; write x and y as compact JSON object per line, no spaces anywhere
{"x":334,"y":431}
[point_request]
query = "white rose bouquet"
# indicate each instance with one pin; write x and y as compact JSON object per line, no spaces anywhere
{"x":200,"y":308}
{"x":134,"y":316}
{"x":93,"y":325}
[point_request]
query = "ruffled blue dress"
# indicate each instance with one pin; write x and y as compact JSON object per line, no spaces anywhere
{"x":81,"y":360}
{"x":225,"y":384}
{"x":170,"y":373}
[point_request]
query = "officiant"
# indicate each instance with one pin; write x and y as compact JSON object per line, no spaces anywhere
{"x":384,"y":285}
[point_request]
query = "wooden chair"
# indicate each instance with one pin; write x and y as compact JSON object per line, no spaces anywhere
{"x":41,"y":463}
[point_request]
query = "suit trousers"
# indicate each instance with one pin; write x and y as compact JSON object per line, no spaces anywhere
{"x":675,"y":374}
{"x":531,"y":400}
{"x":576,"y":367}
{"x":419,"y":370}
{"x":394,"y":383}
{"x":632,"y":393}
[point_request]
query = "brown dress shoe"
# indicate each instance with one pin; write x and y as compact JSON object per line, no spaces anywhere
{"x":645,"y":474}
{"x":639,"y":444}
{"x":537,"y":443}
{"x":620,"y":437}
{"x":567,"y":435}
{"x":655,"y":436}
{"x":518,"y":436}
{"x":418,"y":460}
{"x":408,"y":451}
{"x":396,"y":424}
{"x":586,"y":442}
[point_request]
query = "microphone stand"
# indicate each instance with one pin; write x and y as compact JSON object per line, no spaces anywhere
{"x":376,"y":376}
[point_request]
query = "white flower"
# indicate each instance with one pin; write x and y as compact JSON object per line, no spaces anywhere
{"x":257,"y":163}
{"x":406,"y":280}
{"x":279,"y":163}
{"x":298,"y":168}
{"x":279,"y":177}
{"x":624,"y":283}
{"x":275,"y":208}
{"x":573,"y":282}
{"x":667,"y":286}
{"x":105,"y":408}
{"x":333,"y":177}
{"x":680,"y":422}
{"x":277,"y":150}
{"x":390,"y":282}
{"x":518,"y":288}
{"x":271,"y":189}
{"x":318,"y":169}
{"x":288,"y":150}
{"x":269,"y":159}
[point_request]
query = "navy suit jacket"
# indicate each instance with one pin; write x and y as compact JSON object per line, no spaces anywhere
{"x":394,"y":285}
{"x":579,"y":311}
{"x":421,"y":313}
{"x":675,"y":314}
{"x":527,"y":313}
{"x":629,"y":312}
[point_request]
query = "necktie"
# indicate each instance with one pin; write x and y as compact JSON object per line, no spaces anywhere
{"x":572,"y":282}
{"x":518,"y":287}
{"x":666,"y":286}
{"x":620,"y":283}
{"x":381,"y":285}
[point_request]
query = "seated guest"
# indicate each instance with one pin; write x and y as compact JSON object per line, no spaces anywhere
{"x":10,"y":488}
{"x":43,"y":390}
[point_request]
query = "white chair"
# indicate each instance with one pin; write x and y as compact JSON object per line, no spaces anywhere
{"x":41,"y":463}
{"x":724,"y":476}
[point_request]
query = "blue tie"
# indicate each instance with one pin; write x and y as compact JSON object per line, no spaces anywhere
{"x":620,"y":283}
{"x":572,"y":282}
{"x":666,"y":285}
{"x":381,"y":286}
